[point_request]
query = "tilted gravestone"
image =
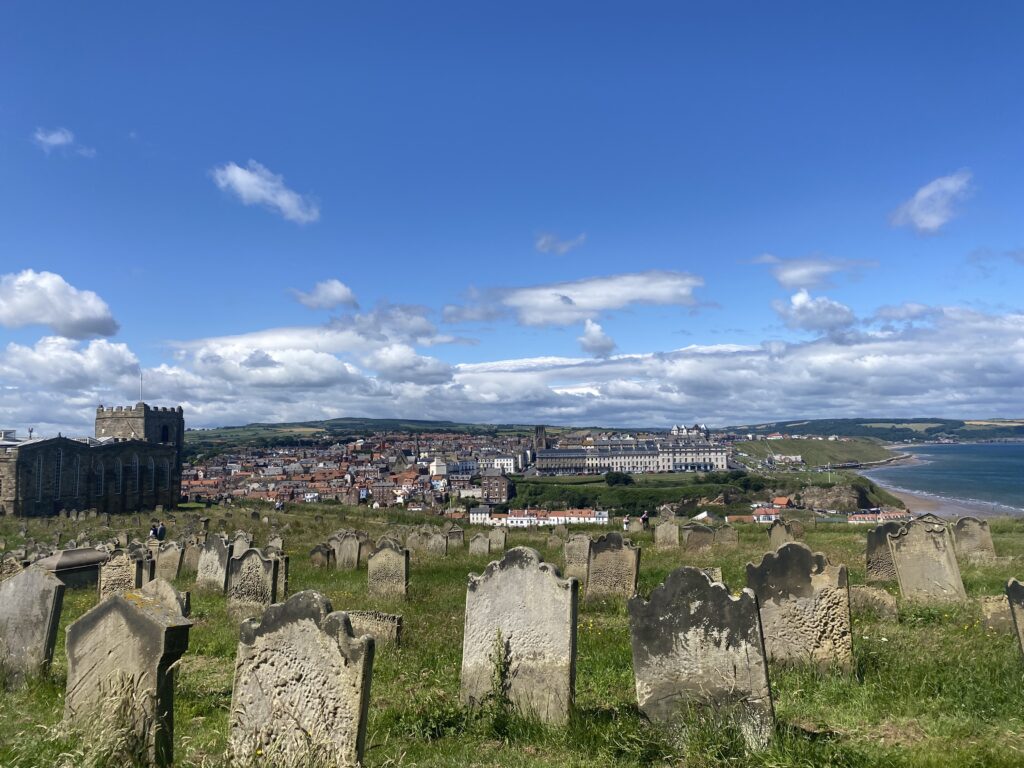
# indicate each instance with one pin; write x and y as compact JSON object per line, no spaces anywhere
{"x":613,"y":567}
{"x":499,"y":539}
{"x":168,"y":561}
{"x":123,"y":572}
{"x":521,"y":627}
{"x":480,"y":544}
{"x":805,"y":607}
{"x":30,"y":604}
{"x":10,"y":566}
{"x":302,"y":687}
{"x":973,"y":538}
{"x":124,"y":649}
{"x":252,"y":583}
{"x":695,"y":645}
{"x":698,"y":538}
{"x":666,"y":535}
{"x":926,"y":566}
{"x":726,"y":537}
{"x":385,"y":628}
{"x":779,"y":533}
{"x":577,"y":556}
{"x":387,"y":571}
{"x":213,"y":564}
{"x":1015,"y":596}
{"x":880,"y":566}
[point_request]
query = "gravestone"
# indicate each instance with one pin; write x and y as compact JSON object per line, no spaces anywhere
{"x":30,"y":604}
{"x":726,"y":537}
{"x":499,"y":539}
{"x":75,"y":567}
{"x":480,"y":544}
{"x":275,"y":542}
{"x":613,"y":567}
{"x":698,"y":538}
{"x":635,"y":525}
{"x":123,"y":572}
{"x":926,"y":566}
{"x":553,"y":542}
{"x":880,"y":566}
{"x":241,"y":541}
{"x":352,"y":551}
{"x":437,"y":544}
{"x":252,"y":583}
{"x":10,"y":566}
{"x":168,"y":561}
{"x":124,"y":649}
{"x":805,"y":607}
{"x":387,"y":571}
{"x":713,"y":572}
{"x":456,"y":537}
{"x":873,"y":600}
{"x":213,"y":564}
{"x":1015,"y":597}
{"x":302,"y":687}
{"x":973,"y":538}
{"x":416,"y":541}
{"x":521,"y":625}
{"x":164,"y":592}
{"x":779,"y":533}
{"x":560,"y":531}
{"x":384,"y":628}
{"x":322,"y":556}
{"x":666,"y":535}
{"x":577,"y":556}
{"x":190,"y":560}
{"x":697,"y":646}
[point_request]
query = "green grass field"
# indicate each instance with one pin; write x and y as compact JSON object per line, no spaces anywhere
{"x":816,"y":452}
{"x":933,"y":689}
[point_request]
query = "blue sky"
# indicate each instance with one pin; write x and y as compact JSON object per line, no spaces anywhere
{"x":586,"y":213}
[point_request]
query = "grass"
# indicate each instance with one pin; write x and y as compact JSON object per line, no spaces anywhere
{"x":935,"y":688}
{"x":817,"y":452}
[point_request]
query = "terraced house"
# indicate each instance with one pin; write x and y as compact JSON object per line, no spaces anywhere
{"x":132,"y":463}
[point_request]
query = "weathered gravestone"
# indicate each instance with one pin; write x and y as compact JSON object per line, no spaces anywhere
{"x":521,"y":625}
{"x":322,"y":556}
{"x":213,"y":564}
{"x":553,"y":542}
{"x":480,"y":544}
{"x":275,"y":542}
{"x":387,"y":571}
{"x":384,"y":628}
{"x":577,"y":556}
{"x":456,"y":537}
{"x":1015,"y":596}
{"x":880,"y":566}
{"x":168,"y":561}
{"x":613,"y":568}
{"x":560,"y":531}
{"x":779,"y":533}
{"x":726,"y":537}
{"x":241,"y":541}
{"x":926,"y":566}
{"x":75,"y":567}
{"x":123,"y":572}
{"x":30,"y":604}
{"x":805,"y":607}
{"x":302,"y":687}
{"x":712,"y":572}
{"x":973,"y":538}
{"x":873,"y":600}
{"x":666,"y":535}
{"x":635,"y":525}
{"x":499,"y":539}
{"x":190,"y":560}
{"x":698,"y":538}
{"x":10,"y":566}
{"x":694,"y":645}
{"x":437,"y":543}
{"x":252,"y":583}
{"x":352,"y":551}
{"x":164,"y":592}
{"x":120,"y":659}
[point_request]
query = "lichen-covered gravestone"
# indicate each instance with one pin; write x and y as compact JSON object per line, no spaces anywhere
{"x":779,"y":533}
{"x":480,"y":544}
{"x":213,"y":564}
{"x":190,"y":560}
{"x":694,"y":645}
{"x":726,"y":537}
{"x":9,"y":566}
{"x":168,"y":561}
{"x":973,"y":538}
{"x":252,"y":583}
{"x":805,"y":607}
{"x":124,"y":649}
{"x":521,"y":626}
{"x":387,"y":571}
{"x":577,"y":556}
{"x":698,"y":538}
{"x":437,"y":543}
{"x":613,"y":568}
{"x":123,"y":572}
{"x":30,"y":604}
{"x":1015,"y":596}
{"x":456,"y":537}
{"x":385,"y":628}
{"x":499,"y":539}
{"x":666,"y":535}
{"x":880,"y":566}
{"x":302,"y":687}
{"x":926,"y":566}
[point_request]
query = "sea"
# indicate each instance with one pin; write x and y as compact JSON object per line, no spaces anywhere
{"x":987,"y":477}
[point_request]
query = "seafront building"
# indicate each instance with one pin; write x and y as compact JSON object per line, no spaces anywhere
{"x":672,"y":454}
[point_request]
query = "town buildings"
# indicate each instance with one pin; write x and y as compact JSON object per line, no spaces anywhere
{"x":667,"y":454}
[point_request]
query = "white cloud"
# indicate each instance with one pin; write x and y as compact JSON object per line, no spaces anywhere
{"x":44,"y":298}
{"x":933,"y":204}
{"x":809,"y":272}
{"x":595,"y":341}
{"x":400,"y":362}
{"x":327,"y":294}
{"x":548,"y":242}
{"x":257,"y":185}
{"x":50,"y":139}
{"x":803,"y":312}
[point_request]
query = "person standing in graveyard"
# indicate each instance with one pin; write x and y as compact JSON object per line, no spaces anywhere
{"x":161,"y":531}
{"x":625,"y":523}
{"x":153,"y":531}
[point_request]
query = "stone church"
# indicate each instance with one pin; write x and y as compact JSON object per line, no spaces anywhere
{"x":133,"y":463}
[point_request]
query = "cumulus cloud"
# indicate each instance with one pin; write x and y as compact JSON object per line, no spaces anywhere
{"x":809,"y":272}
{"x":932,"y":206}
{"x":822,"y":314}
{"x":44,"y":298}
{"x":595,"y":341}
{"x":257,"y":185}
{"x":327,"y":294}
{"x":548,"y":242}
{"x":50,"y":139}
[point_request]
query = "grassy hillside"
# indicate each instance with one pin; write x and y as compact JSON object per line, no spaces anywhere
{"x":935,"y":688}
{"x":893,"y":430}
{"x":816,"y":452}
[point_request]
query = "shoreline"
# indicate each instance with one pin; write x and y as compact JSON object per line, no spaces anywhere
{"x":919,"y":502}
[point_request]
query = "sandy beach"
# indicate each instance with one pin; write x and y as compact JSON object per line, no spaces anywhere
{"x":944,"y":507}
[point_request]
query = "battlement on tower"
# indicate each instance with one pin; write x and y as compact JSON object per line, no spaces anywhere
{"x":153,"y":424}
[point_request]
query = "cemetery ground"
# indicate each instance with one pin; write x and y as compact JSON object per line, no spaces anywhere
{"x":935,"y":688}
